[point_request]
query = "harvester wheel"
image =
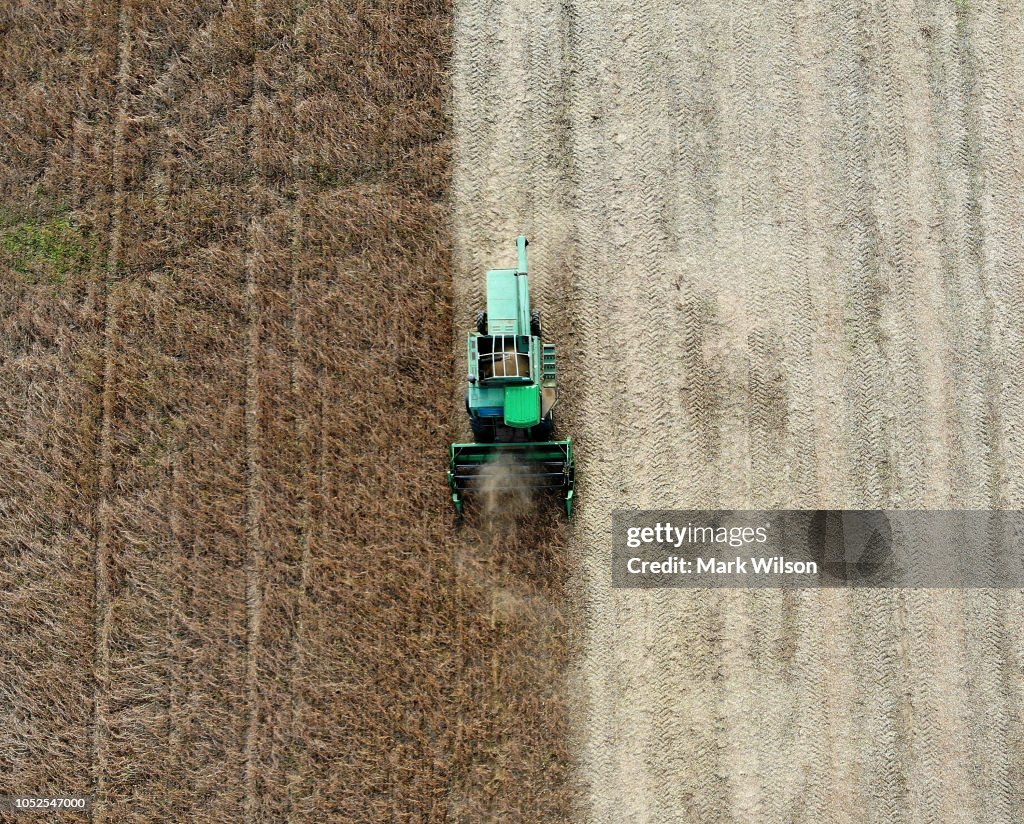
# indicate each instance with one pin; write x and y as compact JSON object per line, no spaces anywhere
{"x":544,"y":430}
{"x":482,"y":433}
{"x":481,"y":323}
{"x":535,"y":323}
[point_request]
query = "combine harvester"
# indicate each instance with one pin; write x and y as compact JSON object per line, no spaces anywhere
{"x":512,"y":389}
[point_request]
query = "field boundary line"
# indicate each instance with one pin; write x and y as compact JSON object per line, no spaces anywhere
{"x":102,"y":612}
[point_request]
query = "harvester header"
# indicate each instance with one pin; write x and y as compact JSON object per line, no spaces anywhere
{"x":512,"y":389}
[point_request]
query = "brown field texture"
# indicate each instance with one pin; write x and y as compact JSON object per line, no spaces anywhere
{"x":229,"y":585}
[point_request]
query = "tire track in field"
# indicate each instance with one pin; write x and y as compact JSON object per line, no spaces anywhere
{"x":179,"y":712}
{"x":820,"y":663}
{"x":968,"y":628}
{"x":934,"y":737}
{"x":921,"y":304}
{"x":887,"y":160}
{"x":968,"y":305}
{"x":822,"y":297}
{"x":995,"y":95}
{"x":254,"y":563}
{"x":686,"y":762}
{"x":309,"y":427}
{"x":876,"y":617}
{"x":103,"y":615}
{"x":302,"y":387}
{"x":179,"y":615}
{"x":744,"y":254}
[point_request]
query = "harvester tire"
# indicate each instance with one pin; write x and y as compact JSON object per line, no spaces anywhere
{"x":535,"y":323}
{"x":544,"y":430}
{"x":483,"y":433}
{"x":481,"y":323}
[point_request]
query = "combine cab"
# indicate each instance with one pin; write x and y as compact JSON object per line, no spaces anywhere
{"x":512,"y":391}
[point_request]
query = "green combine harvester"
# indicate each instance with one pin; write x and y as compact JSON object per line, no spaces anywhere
{"x":512,"y":389}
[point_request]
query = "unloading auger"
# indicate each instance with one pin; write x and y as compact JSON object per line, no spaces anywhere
{"x":512,"y":390}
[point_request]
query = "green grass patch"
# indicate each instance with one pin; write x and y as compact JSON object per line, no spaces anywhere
{"x":47,"y":251}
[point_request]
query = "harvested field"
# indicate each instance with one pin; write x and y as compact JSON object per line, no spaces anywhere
{"x":780,"y":249}
{"x":229,"y":587}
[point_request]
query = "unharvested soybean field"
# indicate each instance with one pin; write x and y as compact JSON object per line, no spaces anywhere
{"x":229,"y":585}
{"x":780,"y":246}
